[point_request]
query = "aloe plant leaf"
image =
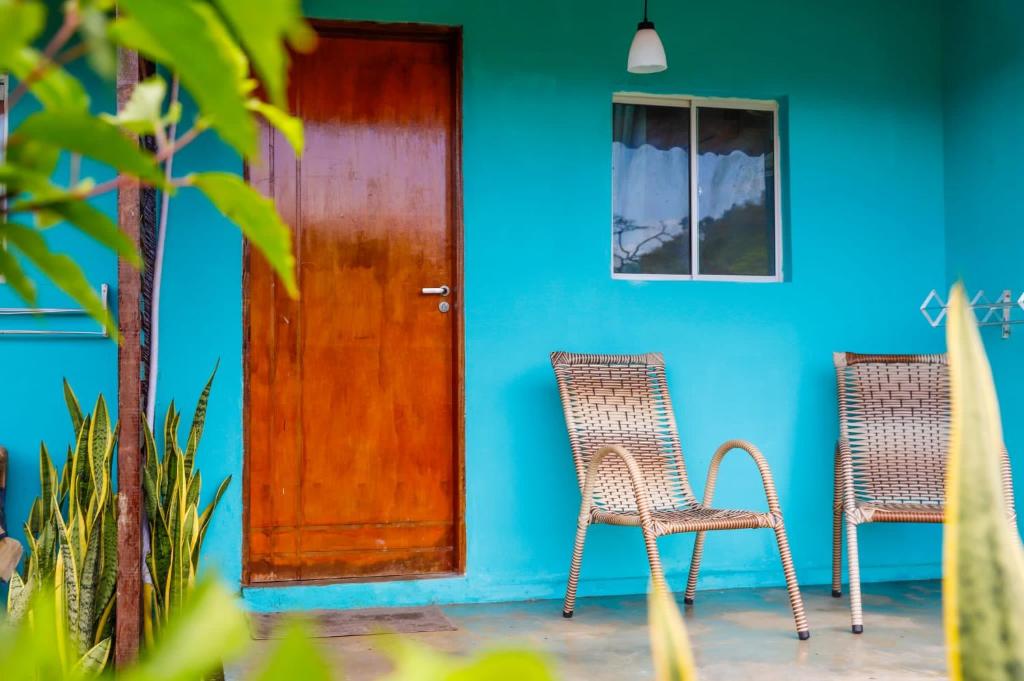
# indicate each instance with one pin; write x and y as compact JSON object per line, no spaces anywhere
{"x":18,"y":597}
{"x":67,"y":589}
{"x":94,"y":660}
{"x":98,"y":446}
{"x":106,"y":583}
{"x":74,"y":408}
{"x":983,"y":560}
{"x":195,"y":432}
{"x":87,"y":593}
{"x":670,"y":646}
{"x":207,"y":515}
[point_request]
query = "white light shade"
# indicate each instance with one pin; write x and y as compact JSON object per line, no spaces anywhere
{"x":647,"y":54}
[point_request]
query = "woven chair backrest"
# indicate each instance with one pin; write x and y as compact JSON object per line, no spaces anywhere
{"x":623,"y":400}
{"x":894,"y":411}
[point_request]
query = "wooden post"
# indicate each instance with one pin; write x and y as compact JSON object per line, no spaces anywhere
{"x":129,"y":401}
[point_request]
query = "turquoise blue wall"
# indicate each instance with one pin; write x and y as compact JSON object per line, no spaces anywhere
{"x":984,"y":87}
{"x":31,"y":396}
{"x":862,"y":90}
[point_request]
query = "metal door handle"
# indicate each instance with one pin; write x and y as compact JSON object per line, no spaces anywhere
{"x":436,"y":291}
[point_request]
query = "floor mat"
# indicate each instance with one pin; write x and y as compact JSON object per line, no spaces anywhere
{"x":335,"y":623}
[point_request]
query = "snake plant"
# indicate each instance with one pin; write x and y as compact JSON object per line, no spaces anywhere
{"x":72,"y":540}
{"x":983,"y":571}
{"x":176,"y":525}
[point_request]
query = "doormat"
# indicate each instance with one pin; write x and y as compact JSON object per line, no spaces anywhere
{"x":336,"y":623}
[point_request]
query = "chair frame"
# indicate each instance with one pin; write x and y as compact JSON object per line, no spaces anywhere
{"x":612,"y":469}
{"x":849,"y":511}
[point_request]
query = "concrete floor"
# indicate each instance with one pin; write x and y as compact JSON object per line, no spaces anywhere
{"x":741,"y":634}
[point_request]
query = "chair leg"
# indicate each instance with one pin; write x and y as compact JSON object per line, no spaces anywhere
{"x":691,"y":582}
{"x":796,"y":601}
{"x":657,"y":573}
{"x":574,"y":569}
{"x":856,"y":612}
{"x":837,"y":536}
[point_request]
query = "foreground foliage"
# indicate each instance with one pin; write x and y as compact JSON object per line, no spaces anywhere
{"x":72,"y":540}
{"x":210,"y":629}
{"x":983,"y":583}
{"x":207,"y":49}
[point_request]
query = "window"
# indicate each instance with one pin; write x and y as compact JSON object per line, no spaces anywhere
{"x":729,"y":188}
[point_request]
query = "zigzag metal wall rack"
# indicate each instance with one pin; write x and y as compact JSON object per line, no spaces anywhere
{"x":998,"y":313}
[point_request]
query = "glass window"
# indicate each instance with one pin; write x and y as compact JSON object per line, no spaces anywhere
{"x":736,"y":191}
{"x":658,"y":188}
{"x":651,"y":199}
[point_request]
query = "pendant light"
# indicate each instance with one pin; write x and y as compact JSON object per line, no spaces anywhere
{"x":646,"y":54}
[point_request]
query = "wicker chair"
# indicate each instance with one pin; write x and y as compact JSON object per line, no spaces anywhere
{"x":890,"y":461}
{"x":630,"y":468}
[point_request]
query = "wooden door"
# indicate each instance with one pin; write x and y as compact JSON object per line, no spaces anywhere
{"x":353,"y":406}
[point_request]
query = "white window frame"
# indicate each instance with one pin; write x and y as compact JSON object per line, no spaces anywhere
{"x":693,"y":104}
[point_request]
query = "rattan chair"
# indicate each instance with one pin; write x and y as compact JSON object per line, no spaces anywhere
{"x":630,"y":468}
{"x":890,"y":461}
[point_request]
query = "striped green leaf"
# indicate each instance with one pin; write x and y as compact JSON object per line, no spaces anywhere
{"x":93,"y":662}
{"x":983,"y":560}
{"x":74,"y":408}
{"x":195,"y":433}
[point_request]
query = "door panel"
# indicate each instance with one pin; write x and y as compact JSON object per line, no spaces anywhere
{"x":353,"y":390}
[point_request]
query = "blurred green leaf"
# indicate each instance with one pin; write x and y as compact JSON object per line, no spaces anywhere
{"x":94,"y":28}
{"x":60,"y":269}
{"x":209,"y":629}
{"x":55,"y":88}
{"x":290,"y":126}
{"x":509,"y":665}
{"x":143,"y":112}
{"x":209,"y":62}
{"x":670,"y":646}
{"x":416,"y":662}
{"x":134,"y":35}
{"x":983,"y":560}
{"x":20,"y":22}
{"x":33,"y":155}
{"x":11,"y":271}
{"x":87,"y":218}
{"x":91,"y":137}
{"x":295,"y":656}
{"x":256,"y":216}
{"x":263,"y":27}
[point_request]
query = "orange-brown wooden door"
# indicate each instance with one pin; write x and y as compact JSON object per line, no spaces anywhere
{"x":352,"y":410}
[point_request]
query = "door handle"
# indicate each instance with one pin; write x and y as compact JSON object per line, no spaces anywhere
{"x":435,"y":291}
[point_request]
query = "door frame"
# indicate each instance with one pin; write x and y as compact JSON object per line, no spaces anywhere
{"x":452,"y":36}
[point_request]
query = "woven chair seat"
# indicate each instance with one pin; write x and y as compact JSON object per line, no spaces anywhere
{"x":696,"y":519}
{"x":902,"y":513}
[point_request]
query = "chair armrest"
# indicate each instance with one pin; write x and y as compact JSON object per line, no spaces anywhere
{"x":762,"y":468}
{"x":636,"y":476}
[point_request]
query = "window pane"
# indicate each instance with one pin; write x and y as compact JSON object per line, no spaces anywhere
{"x":651,"y":189}
{"x":736,"y":191}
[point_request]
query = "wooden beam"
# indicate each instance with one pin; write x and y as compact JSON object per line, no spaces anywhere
{"x":129,"y":402}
